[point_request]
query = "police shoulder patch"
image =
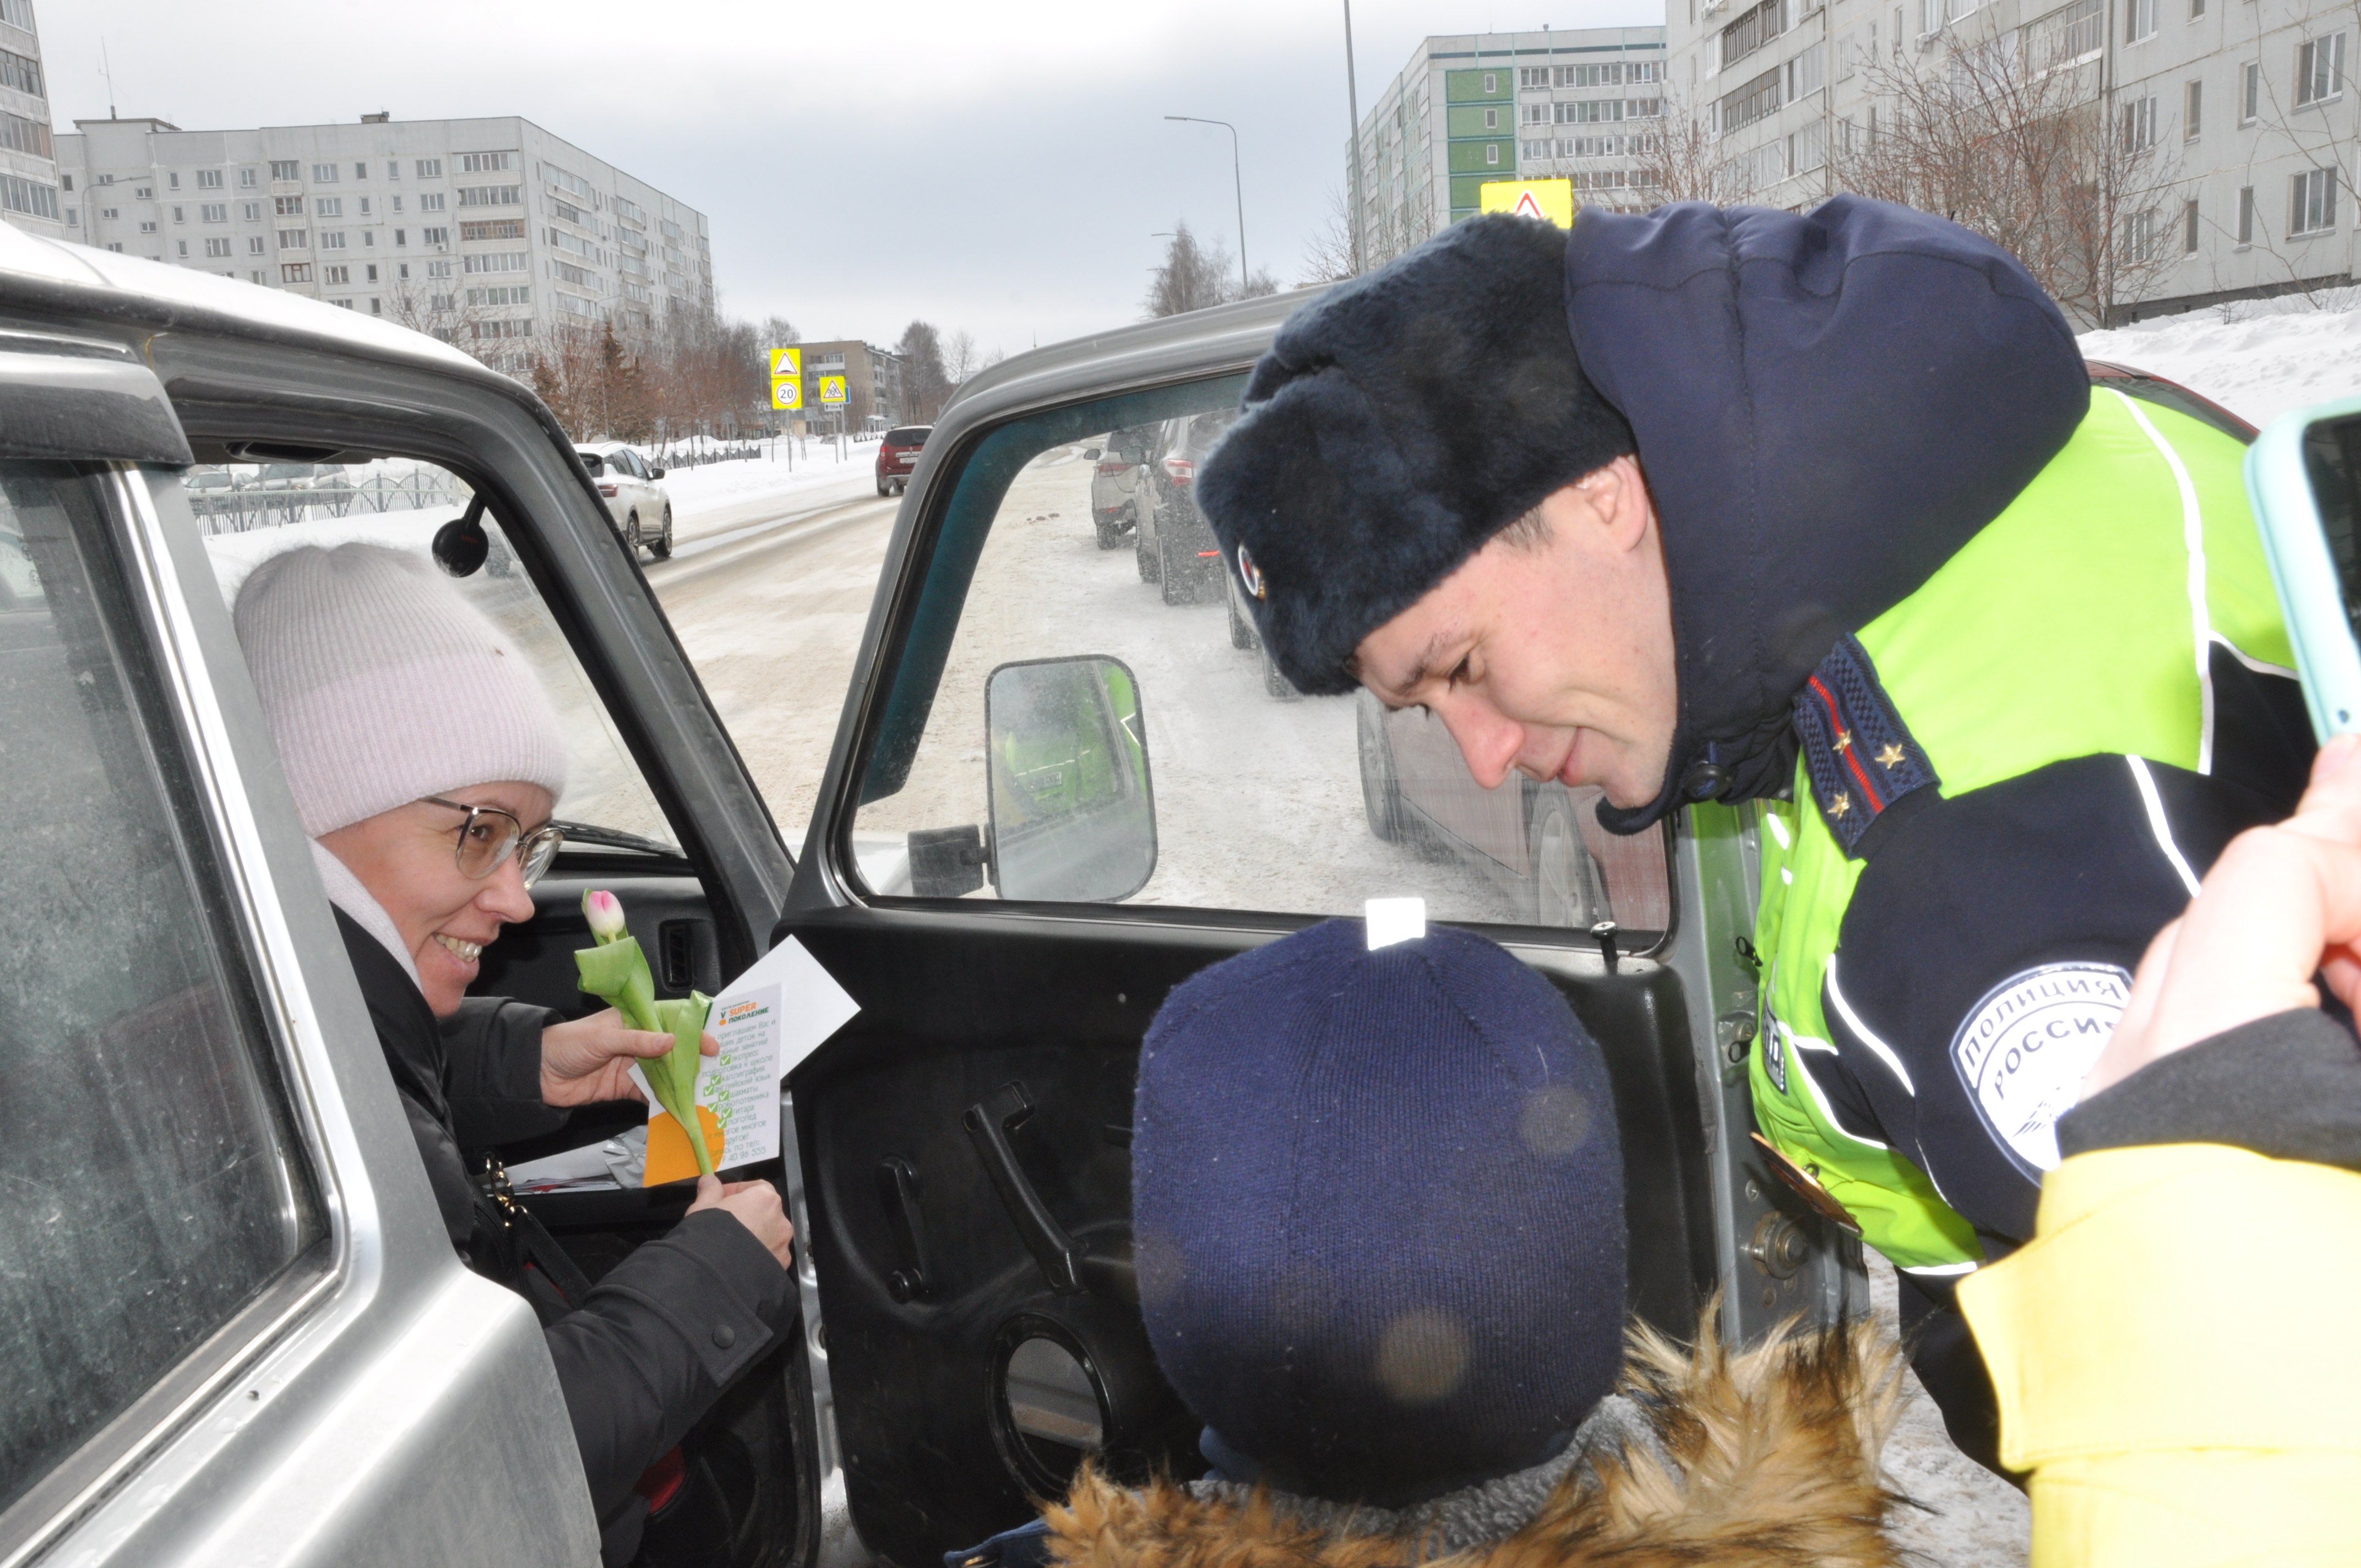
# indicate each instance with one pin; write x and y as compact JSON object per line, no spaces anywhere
{"x":2025,"y":1048}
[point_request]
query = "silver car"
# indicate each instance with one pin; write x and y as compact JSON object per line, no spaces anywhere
{"x":640,"y":506}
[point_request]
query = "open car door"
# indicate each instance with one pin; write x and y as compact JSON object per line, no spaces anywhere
{"x":1060,"y":789}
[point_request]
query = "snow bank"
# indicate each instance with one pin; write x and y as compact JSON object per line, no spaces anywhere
{"x":2259,"y":359}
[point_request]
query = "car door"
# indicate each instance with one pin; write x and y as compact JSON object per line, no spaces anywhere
{"x":1051,"y":800}
{"x":235,"y":1327}
{"x":658,"y":808}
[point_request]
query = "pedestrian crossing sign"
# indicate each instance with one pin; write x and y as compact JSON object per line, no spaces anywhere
{"x":787,"y":392}
{"x":787,"y":362}
{"x":1549,"y":198}
{"x":831,"y":390}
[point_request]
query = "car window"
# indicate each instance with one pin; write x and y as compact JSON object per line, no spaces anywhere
{"x":1261,"y":800}
{"x":402,"y":503}
{"x":907,"y":435}
{"x":154,"y":1185}
{"x":629,"y":462}
{"x":593,"y":462}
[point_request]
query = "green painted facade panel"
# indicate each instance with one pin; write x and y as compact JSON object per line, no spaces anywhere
{"x":1468,"y":158}
{"x":1466,"y":191}
{"x":1470,"y":86}
{"x":1468,"y":120}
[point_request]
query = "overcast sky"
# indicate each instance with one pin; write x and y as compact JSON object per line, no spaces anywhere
{"x":997,"y":168}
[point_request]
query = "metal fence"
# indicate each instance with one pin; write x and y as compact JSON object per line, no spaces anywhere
{"x":246,"y":504}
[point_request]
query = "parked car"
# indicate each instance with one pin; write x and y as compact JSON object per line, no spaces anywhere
{"x":246,"y":1337}
{"x":897,"y":454}
{"x":1174,"y":543}
{"x":639,"y":506}
{"x":280,"y":477}
{"x":1244,"y":635}
{"x":1119,"y":482}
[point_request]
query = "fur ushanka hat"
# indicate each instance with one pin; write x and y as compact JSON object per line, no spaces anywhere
{"x":1393,"y":428}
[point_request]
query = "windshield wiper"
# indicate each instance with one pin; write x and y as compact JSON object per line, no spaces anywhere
{"x":615,"y":839}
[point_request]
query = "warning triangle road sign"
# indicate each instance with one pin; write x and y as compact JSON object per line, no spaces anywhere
{"x":1527,"y":207}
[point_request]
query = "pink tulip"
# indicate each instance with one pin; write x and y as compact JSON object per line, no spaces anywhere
{"x":605,"y":913}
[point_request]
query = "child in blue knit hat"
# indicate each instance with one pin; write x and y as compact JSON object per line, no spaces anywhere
{"x":1378,"y":1207}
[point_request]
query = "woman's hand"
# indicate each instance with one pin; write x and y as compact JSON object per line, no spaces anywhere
{"x":586,"y":1060}
{"x":756,"y":1205}
{"x":2281,"y":904}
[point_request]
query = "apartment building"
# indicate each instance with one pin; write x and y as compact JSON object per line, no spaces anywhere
{"x":873,"y":386}
{"x":2238,"y":115}
{"x":1472,"y":108}
{"x":478,"y":230}
{"x":28,"y":169}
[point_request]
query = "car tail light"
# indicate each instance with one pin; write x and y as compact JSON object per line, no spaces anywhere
{"x":605,"y":489}
{"x":1110,"y":469}
{"x":1181,"y":471}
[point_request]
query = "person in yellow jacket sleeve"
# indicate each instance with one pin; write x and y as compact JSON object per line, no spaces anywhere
{"x":2171,"y":1352}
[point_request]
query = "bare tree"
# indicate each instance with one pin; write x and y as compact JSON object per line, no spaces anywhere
{"x":1328,"y":255}
{"x":926,"y":381}
{"x":1194,"y":276}
{"x":2012,"y":137}
{"x":1674,"y":160}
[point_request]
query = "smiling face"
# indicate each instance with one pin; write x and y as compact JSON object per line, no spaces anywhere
{"x":1552,"y":656}
{"x":408,"y":859}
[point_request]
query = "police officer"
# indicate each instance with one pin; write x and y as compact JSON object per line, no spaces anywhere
{"x":1817,"y":516}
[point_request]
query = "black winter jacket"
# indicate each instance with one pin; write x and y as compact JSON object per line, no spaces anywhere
{"x":663,"y":1333}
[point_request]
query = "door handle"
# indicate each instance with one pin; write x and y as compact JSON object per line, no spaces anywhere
{"x":1072,"y":1267}
{"x":898,"y":1190}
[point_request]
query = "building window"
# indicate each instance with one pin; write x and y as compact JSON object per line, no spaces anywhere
{"x":393,"y":169}
{"x":401,"y":236}
{"x":2139,"y":20}
{"x":2320,"y":70}
{"x":289,"y":206}
{"x":501,"y":162}
{"x":2247,"y":216}
{"x":73,"y":217}
{"x":249,"y":212}
{"x":370,"y":273}
{"x":438,"y":269}
{"x":286,"y":168}
{"x":1491,"y":123}
{"x":23,"y":74}
{"x":335,"y":275}
{"x":341,"y":304}
{"x":295,"y":271}
{"x":144,"y":194}
{"x":397,"y":204}
{"x":110,"y":212}
{"x":332,"y":239}
{"x":1532,"y":76}
{"x":2312,"y":208}
{"x":429,"y":168}
{"x":1492,"y":82}
{"x":500,"y":261}
{"x":2250,"y":93}
{"x":2196,"y":9}
{"x":376,"y":309}
{"x":245,"y":179}
{"x":324,"y":173}
{"x":2191,"y":109}
{"x":360,"y":170}
{"x":21,"y":135}
{"x":209,"y":178}
{"x":369,"y":238}
{"x":215,"y":212}
{"x":65,"y":183}
{"x":172,"y":179}
{"x":2189,"y":227}
{"x":506,"y":195}
{"x":179,"y":214}
{"x":254,"y":244}
{"x":435,"y":237}
{"x":431,"y":203}
{"x":184,"y":248}
{"x":218,"y":247}
{"x":326,"y":208}
{"x":1536,"y":114}
{"x":2139,"y":124}
{"x":365,"y":206}
{"x":1491,"y":152}
{"x":293,"y":239}
{"x":146,"y":226}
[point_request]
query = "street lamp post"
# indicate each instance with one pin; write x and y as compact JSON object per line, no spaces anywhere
{"x":1352,"y":105}
{"x":1246,"y":279}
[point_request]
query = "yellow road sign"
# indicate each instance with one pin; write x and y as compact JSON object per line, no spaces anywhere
{"x":787,"y":392}
{"x":787,"y":362}
{"x":1551,"y":199}
{"x":831,"y":390}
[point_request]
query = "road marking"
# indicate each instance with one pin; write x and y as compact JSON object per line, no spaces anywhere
{"x":685,"y":565}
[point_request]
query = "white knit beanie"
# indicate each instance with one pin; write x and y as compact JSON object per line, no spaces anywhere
{"x":382,"y":685}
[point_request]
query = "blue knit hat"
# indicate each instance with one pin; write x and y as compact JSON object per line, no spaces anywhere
{"x":1377,"y":1200}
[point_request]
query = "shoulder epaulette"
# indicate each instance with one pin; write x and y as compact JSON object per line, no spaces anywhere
{"x":1858,"y":753}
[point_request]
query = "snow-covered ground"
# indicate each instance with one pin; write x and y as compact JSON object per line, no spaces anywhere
{"x":2258,"y":359}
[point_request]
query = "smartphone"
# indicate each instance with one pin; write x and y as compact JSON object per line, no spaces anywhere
{"x":2304,"y":475}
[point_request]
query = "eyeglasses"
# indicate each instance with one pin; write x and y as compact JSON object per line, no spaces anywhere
{"x":490,"y":835}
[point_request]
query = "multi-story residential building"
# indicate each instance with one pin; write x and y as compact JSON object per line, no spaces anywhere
{"x":1472,"y":108}
{"x":29,"y":190}
{"x":478,"y":230}
{"x":872,"y":384}
{"x":2233,"y":118}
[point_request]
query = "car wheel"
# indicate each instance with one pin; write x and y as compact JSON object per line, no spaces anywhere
{"x":1175,"y":571}
{"x":1109,"y":531}
{"x":900,"y":486}
{"x":662,"y":548}
{"x":883,"y":489}
{"x":1567,"y":886}
{"x":1242,"y":629}
{"x":631,"y":533}
{"x":1380,"y":787}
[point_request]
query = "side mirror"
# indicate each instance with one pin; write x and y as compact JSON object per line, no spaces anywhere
{"x":1090,"y":453}
{"x":1073,"y":817}
{"x":655,"y":473}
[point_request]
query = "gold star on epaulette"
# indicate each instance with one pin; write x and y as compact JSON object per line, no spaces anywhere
{"x":1844,"y":740}
{"x":1838,"y":806}
{"x":1891,"y":756}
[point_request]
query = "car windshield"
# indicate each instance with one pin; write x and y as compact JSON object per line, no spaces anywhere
{"x":909,"y":435}
{"x":592,"y":461}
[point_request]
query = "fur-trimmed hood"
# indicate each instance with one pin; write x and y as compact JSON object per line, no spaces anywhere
{"x":1762,"y":1459}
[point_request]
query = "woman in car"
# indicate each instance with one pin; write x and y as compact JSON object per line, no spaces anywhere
{"x":425,"y":760}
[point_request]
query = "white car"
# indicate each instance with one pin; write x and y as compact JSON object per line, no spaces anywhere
{"x":639,"y":507}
